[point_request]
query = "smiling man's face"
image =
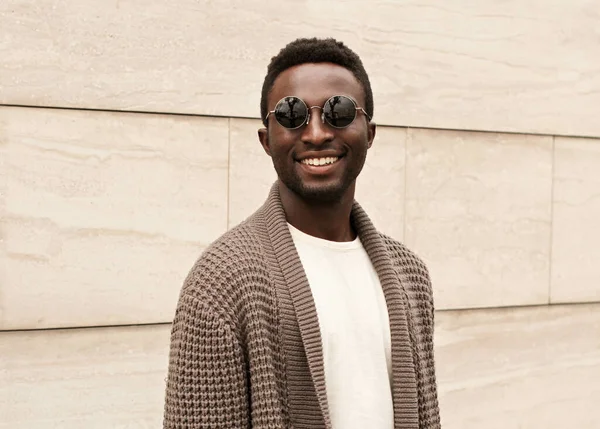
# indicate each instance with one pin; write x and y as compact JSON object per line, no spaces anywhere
{"x":294,"y":152}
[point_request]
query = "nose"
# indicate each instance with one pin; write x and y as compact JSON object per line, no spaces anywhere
{"x":316,"y":132}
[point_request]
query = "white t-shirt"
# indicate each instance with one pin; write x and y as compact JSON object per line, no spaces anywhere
{"x":355,"y":331}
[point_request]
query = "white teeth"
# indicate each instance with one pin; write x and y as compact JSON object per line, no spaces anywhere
{"x":320,"y":161}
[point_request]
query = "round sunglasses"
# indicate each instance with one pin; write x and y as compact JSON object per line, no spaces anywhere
{"x":338,"y":111}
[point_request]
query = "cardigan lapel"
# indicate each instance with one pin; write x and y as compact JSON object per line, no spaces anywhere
{"x":301,"y":337}
{"x":404,"y":382}
{"x":307,"y":396}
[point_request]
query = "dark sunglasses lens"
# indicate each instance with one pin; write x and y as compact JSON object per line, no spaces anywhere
{"x":291,"y":112}
{"x":339,"y":111}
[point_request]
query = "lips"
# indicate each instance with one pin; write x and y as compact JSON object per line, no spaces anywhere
{"x":318,"y":154}
{"x":326,"y":160}
{"x":319,"y":166}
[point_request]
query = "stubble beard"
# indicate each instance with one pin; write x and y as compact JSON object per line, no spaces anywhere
{"x":322,"y":193}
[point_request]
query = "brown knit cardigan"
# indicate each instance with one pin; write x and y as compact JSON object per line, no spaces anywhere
{"x":246,"y":347}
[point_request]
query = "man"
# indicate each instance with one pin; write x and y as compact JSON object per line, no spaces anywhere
{"x":304,"y":316}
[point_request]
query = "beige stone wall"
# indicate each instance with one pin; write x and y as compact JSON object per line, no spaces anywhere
{"x":510,"y":368}
{"x":105,"y":212}
{"x":515,"y":65}
{"x":128,"y":143}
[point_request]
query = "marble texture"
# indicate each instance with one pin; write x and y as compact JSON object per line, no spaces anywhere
{"x":519,"y":368}
{"x":516,"y":65}
{"x":105,"y":213}
{"x":496,"y":368}
{"x":478,"y":210}
{"x":251,"y":172}
{"x":576,"y":221}
{"x":380,"y":186}
{"x":84,"y":378}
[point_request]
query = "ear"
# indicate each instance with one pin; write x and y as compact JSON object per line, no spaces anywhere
{"x":263,"y":137}
{"x":372,"y":128}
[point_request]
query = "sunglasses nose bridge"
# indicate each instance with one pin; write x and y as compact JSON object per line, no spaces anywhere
{"x":310,"y":114}
{"x":316,"y":133}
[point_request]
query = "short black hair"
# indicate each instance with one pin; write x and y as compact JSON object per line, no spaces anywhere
{"x":315,"y":50}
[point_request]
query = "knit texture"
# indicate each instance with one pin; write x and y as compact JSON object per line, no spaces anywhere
{"x":246,"y":347}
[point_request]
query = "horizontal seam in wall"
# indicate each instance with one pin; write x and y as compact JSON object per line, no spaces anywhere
{"x":70,"y":328}
{"x":197,"y":115}
{"x":149,"y":325}
{"x":524,"y":307}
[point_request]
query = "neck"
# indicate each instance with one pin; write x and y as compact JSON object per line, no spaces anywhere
{"x":326,"y":220}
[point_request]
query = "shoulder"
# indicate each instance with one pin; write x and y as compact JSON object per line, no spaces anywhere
{"x":221,"y":276}
{"x":405,"y":258}
{"x":411,"y":269}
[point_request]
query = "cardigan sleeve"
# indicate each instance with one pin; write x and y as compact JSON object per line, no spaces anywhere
{"x":417,"y":282}
{"x":430,"y":410}
{"x":206,"y":383}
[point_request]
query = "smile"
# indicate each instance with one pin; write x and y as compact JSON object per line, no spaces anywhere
{"x":320,"y":161}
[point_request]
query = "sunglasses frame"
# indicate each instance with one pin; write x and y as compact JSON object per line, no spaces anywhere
{"x":308,"y":109}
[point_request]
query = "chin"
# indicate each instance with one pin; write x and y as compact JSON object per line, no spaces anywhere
{"x":320,"y":193}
